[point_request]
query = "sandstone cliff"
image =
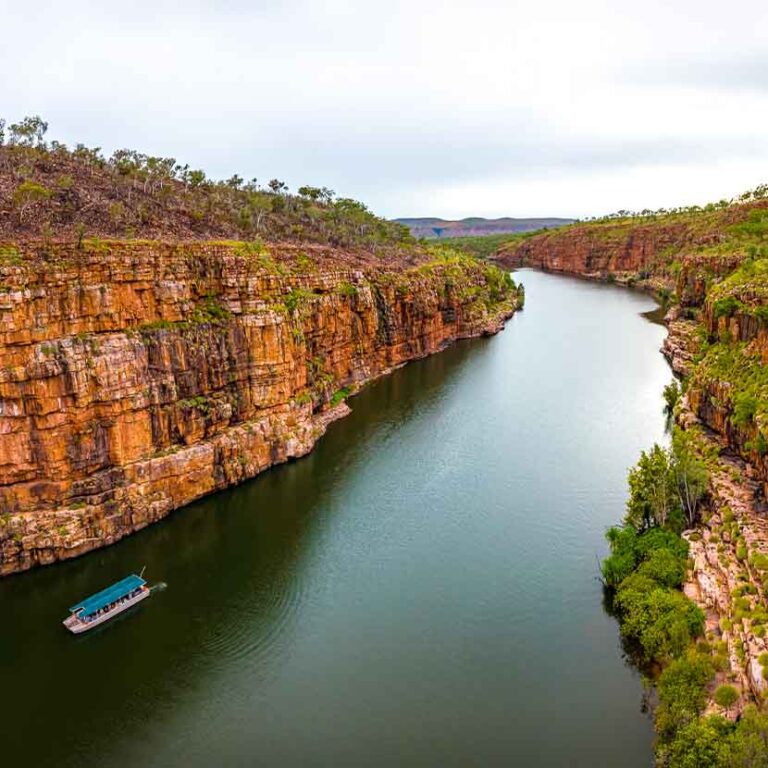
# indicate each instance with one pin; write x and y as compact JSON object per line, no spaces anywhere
{"x":631,"y":250}
{"x":138,"y":376}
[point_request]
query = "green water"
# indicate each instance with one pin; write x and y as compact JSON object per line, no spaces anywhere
{"x":419,"y":591}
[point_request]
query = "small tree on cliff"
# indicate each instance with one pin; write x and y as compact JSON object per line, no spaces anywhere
{"x":691,"y":475}
{"x":653,"y":498}
{"x":671,"y":397}
{"x":310,"y":193}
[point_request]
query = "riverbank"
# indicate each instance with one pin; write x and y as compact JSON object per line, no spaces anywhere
{"x":709,"y":266}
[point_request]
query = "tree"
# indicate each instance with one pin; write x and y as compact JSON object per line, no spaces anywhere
{"x":665,"y":567}
{"x":671,"y":396}
{"x":90,"y":156}
{"x":726,"y":696}
{"x":691,"y":475}
{"x":748,"y":745}
{"x":657,"y":554}
{"x":311,"y":193}
{"x":698,"y":744}
{"x":27,"y":193}
{"x":2,"y":132}
{"x":278,"y":187}
{"x":623,"y":557}
{"x":662,"y":620}
{"x":29,"y":132}
{"x":653,"y":498}
{"x":258,"y":205}
{"x":196,"y":178}
{"x":682,"y":693}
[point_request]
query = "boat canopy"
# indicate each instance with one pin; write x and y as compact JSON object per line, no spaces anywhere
{"x":109,"y":595}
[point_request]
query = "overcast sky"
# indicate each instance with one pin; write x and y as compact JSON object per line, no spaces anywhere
{"x":425,"y":107}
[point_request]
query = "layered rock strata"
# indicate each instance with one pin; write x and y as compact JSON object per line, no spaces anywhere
{"x":136,"y":377}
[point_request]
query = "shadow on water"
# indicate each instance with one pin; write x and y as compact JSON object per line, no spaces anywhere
{"x":234,"y":567}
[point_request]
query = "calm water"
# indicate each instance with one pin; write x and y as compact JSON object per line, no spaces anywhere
{"x":419,"y":591}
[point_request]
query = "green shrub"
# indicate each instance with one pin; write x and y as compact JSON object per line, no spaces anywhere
{"x":759,"y":445}
{"x":296,"y":298}
{"x":665,"y":567}
{"x":671,"y":397}
{"x":210,"y":311}
{"x":340,"y":395}
{"x":682,"y":693}
{"x":726,"y":696}
{"x":725,"y":307}
{"x":744,"y":409}
{"x":348,"y":290}
{"x":630,"y":549}
{"x":747,"y":744}
{"x":663,"y":621}
{"x":698,"y":744}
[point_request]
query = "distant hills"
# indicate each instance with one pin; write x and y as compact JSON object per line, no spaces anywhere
{"x":474,"y":226}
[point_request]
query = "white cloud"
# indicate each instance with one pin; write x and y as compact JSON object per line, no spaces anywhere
{"x":448,"y":108}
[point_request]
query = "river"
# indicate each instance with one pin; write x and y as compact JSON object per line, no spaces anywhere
{"x":419,"y":591}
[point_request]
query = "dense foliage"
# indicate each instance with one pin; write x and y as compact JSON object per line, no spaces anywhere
{"x":645,"y":571}
{"x":714,"y":742}
{"x":666,"y":486}
{"x":48,"y":188}
{"x":671,"y":397}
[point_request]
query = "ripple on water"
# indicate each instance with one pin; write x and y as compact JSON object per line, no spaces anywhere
{"x":248,"y":629}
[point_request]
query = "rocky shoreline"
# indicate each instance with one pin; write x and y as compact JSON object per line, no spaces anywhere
{"x":722,"y":580}
{"x":679,"y":261}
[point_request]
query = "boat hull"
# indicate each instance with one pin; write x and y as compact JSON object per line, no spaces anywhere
{"x":77,"y":626}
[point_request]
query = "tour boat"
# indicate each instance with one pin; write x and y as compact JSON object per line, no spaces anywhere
{"x":107,"y":604}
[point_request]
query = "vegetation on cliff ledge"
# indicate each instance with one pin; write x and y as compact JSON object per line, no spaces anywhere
{"x":648,"y":561}
{"x":643,"y":575}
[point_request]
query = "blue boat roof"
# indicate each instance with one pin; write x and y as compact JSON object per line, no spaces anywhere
{"x":109,"y":595}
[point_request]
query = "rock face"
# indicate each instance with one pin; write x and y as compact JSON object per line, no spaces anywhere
{"x":592,"y":251}
{"x":136,"y":377}
{"x":638,"y":249}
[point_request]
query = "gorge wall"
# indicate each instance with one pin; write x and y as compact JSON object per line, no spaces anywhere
{"x":138,"y":376}
{"x":711,"y":269}
{"x":630,"y":250}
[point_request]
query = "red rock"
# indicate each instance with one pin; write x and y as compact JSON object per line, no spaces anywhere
{"x":136,"y":377}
